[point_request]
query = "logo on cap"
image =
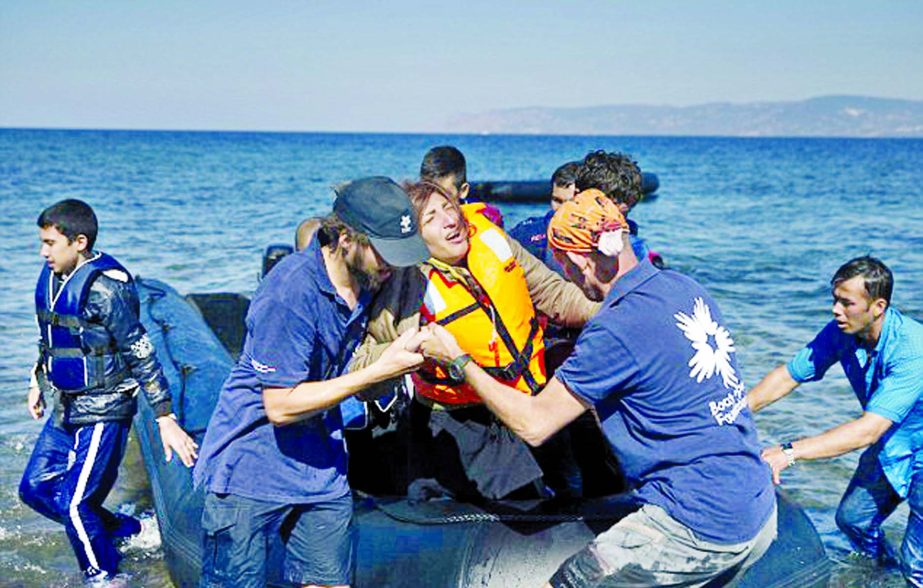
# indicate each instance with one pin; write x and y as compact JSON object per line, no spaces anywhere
{"x":406,"y":225}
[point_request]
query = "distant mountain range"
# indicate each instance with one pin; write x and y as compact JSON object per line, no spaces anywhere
{"x":825,"y":116}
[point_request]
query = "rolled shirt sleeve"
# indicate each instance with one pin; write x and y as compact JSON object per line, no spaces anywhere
{"x":280,"y":344}
{"x":811,"y":363}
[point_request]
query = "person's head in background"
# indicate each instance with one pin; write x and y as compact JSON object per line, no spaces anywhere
{"x":615,"y":174}
{"x":564,"y":184}
{"x":306,"y":231}
{"x":445,"y":165}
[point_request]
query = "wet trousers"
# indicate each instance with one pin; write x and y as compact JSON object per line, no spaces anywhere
{"x":868,"y":501}
{"x":70,"y":473}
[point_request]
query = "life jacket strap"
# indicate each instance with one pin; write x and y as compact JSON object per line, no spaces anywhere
{"x":74,"y":352}
{"x":458,"y":314}
{"x":60,"y":320}
{"x":98,"y":356}
{"x":509,"y":372}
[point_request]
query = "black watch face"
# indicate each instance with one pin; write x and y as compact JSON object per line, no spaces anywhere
{"x":456,"y":372}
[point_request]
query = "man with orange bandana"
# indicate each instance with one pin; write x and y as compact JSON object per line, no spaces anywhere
{"x":659,"y":368}
{"x":486,"y":289}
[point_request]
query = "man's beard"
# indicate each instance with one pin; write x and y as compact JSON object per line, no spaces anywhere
{"x":367,"y":281}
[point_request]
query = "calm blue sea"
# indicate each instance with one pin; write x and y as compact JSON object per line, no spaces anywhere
{"x":762,"y":223}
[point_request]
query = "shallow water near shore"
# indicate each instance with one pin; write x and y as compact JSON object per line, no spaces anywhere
{"x":762,"y":223}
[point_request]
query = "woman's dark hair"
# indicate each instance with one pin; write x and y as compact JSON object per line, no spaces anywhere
{"x":420,"y":193}
{"x":71,"y":218}
{"x":615,"y":174}
{"x":879,"y":281}
{"x":443,"y":161}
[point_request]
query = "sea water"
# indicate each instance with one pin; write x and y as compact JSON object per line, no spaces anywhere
{"x":762,"y":223}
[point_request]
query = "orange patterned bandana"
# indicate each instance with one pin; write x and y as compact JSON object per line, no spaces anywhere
{"x":579,"y":223}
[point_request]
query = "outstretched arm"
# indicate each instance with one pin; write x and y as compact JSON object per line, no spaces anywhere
{"x":116,"y":305}
{"x":777,"y":384}
{"x":285,"y":406}
{"x":841,"y":439}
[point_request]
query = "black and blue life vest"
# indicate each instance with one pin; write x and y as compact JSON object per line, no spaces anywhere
{"x":76,"y":355}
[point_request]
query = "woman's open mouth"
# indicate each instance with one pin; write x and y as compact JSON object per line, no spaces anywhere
{"x":455,"y":237}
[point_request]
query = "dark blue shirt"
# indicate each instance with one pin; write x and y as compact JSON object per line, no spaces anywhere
{"x":298,"y":329}
{"x":661,"y":370}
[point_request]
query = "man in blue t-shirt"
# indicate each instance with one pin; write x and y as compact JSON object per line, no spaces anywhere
{"x":659,"y":369}
{"x":881,"y":352}
{"x":273,"y":459}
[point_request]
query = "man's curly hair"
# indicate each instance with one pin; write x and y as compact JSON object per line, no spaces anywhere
{"x":615,"y":174}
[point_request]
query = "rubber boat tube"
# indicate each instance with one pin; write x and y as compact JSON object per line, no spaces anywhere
{"x":438,"y":543}
{"x":539,"y":190}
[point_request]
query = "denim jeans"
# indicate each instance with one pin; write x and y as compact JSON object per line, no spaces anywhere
{"x":868,"y":501}
{"x":319,"y":541}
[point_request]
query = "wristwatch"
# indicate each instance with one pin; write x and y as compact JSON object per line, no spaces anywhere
{"x":789,"y":452}
{"x":457,"y":367}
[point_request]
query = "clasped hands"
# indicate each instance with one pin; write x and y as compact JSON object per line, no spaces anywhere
{"x":413,"y":347}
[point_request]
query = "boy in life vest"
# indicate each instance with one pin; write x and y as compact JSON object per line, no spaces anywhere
{"x":480,"y":284}
{"x":94,"y":355}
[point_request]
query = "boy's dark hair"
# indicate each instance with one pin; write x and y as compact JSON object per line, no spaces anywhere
{"x":71,"y":218}
{"x":443,"y":161}
{"x":565,"y":175}
{"x":879,"y":281}
{"x":615,"y":174}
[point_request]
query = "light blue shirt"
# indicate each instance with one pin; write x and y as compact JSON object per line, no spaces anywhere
{"x":887,"y":380}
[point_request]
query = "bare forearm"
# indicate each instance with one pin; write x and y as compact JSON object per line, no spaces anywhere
{"x":534,"y":419}
{"x":777,"y":384}
{"x":287,"y":406}
{"x":515,"y":409}
{"x":840,"y":440}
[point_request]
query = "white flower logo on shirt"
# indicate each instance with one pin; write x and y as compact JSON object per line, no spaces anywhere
{"x":708,"y":360}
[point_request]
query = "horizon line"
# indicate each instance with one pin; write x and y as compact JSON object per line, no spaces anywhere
{"x":445,"y":133}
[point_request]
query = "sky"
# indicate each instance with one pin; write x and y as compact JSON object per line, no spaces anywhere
{"x":406,"y":66}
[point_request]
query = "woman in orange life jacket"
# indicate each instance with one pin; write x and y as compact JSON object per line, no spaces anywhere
{"x":487,"y":290}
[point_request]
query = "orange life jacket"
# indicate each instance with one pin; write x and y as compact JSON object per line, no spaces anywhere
{"x":498,"y":328}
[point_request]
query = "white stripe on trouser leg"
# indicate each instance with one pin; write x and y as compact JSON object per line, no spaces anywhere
{"x":81,"y":488}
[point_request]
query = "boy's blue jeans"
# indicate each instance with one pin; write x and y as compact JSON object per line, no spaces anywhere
{"x":868,"y":501}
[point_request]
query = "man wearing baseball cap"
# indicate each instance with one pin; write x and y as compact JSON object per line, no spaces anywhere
{"x":659,"y":368}
{"x":273,"y":456}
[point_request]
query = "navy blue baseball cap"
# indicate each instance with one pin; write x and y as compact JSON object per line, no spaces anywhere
{"x":380,"y":209}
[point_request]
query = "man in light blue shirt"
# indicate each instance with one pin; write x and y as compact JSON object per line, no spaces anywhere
{"x":881,"y":352}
